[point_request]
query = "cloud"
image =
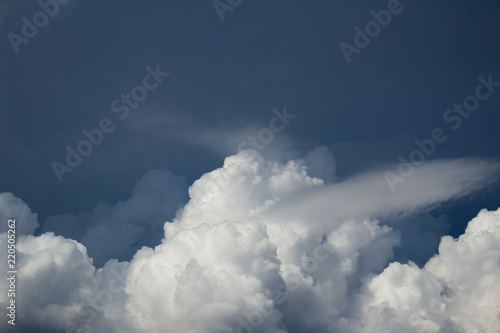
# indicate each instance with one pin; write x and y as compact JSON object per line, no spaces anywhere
{"x":54,"y":277}
{"x":469,"y":268}
{"x":420,"y":235}
{"x":321,"y":164}
{"x":215,"y":271}
{"x":456,"y":291}
{"x":13,"y":207}
{"x":264,"y":246}
{"x":367,"y":194}
{"x":223,"y":138}
{"x":119,"y":231}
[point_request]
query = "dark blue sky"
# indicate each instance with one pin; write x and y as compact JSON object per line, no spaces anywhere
{"x":226,"y":77}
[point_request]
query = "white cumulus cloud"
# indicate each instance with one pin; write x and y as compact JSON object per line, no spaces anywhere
{"x":264,"y":246}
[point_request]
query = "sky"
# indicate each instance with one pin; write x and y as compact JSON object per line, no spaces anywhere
{"x":251,"y":166}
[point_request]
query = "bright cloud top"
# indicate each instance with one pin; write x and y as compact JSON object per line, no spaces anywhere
{"x":264,"y":246}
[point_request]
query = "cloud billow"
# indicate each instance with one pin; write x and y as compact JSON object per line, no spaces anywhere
{"x":265,"y":246}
